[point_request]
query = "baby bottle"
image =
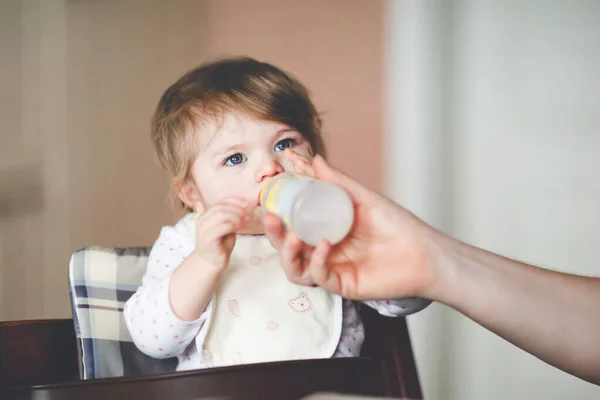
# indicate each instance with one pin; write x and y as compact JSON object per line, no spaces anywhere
{"x":313,"y":209}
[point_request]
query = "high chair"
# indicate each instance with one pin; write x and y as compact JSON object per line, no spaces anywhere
{"x":79,"y":358}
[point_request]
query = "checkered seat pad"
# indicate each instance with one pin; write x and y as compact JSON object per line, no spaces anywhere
{"x":101,"y":280}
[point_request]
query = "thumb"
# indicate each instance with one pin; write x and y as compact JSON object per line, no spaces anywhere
{"x":229,"y":242}
{"x":326,"y":172}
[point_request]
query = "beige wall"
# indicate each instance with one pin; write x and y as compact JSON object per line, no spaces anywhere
{"x":33,"y":168}
{"x":103,"y":65}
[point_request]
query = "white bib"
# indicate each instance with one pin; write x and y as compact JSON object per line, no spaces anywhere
{"x":259,"y":316}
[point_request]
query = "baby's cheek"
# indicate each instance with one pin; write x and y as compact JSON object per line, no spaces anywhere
{"x":222,"y":189}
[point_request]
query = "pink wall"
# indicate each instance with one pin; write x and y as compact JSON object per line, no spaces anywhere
{"x":334,"y":47}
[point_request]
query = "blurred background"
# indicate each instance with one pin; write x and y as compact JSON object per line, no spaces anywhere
{"x":483,"y":117}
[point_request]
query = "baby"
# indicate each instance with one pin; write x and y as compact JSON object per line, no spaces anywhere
{"x":214,"y":293}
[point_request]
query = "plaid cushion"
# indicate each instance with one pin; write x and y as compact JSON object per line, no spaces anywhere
{"x":101,"y":280}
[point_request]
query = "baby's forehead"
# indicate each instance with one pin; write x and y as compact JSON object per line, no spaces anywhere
{"x":223,"y":130}
{"x":232,"y":129}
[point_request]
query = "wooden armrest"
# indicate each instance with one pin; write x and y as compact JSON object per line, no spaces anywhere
{"x":37,"y":352}
{"x":281,"y":380}
{"x":388,"y":339}
{"x":45,"y":352}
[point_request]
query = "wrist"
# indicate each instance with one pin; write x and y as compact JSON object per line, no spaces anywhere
{"x":445,"y":255}
{"x":202,"y":267}
{"x":463,"y":273}
{"x":192,"y":286}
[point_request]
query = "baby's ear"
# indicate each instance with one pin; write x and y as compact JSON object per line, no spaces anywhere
{"x":190,"y":196}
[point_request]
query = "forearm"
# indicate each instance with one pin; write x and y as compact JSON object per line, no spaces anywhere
{"x":191,"y":287}
{"x":551,"y":315}
{"x":154,"y":328}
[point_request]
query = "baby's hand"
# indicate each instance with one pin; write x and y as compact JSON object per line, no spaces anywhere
{"x":216,"y":231}
{"x":301,"y":164}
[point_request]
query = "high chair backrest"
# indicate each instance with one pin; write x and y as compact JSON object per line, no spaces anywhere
{"x":102,"y":279}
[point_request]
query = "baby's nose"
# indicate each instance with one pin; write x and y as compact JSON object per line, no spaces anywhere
{"x":270,"y":169}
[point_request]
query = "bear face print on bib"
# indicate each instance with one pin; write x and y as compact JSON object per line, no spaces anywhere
{"x":259,"y":316}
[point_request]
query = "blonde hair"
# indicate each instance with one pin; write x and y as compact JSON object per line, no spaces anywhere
{"x":239,"y":84}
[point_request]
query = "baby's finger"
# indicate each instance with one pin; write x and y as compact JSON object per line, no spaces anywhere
{"x":222,"y":230}
{"x":244,"y":207}
{"x":230,"y":214}
{"x":228,"y":206}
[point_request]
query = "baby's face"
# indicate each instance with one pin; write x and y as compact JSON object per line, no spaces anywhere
{"x":238,"y":154}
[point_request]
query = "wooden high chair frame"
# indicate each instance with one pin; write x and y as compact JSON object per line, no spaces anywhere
{"x":40,"y":359}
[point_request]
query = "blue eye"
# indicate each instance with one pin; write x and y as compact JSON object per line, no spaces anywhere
{"x":284,"y":144}
{"x":235,"y":159}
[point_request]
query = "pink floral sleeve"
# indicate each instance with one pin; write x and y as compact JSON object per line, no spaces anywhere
{"x":155,"y":329}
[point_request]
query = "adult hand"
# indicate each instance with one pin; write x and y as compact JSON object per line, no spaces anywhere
{"x":386,"y":255}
